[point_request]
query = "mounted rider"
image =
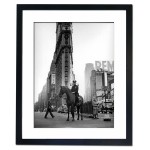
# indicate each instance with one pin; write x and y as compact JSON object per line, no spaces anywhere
{"x":74,"y":90}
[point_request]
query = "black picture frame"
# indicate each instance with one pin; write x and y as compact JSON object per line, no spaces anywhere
{"x":113,"y":142}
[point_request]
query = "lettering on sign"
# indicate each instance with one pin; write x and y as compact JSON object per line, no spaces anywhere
{"x":104,"y":65}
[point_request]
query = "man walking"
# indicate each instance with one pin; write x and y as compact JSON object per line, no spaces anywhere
{"x":49,"y":110}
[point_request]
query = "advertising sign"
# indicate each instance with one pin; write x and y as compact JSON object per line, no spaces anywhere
{"x":53,"y":79}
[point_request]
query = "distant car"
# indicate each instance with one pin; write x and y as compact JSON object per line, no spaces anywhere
{"x":62,"y":109}
{"x":54,"y":108}
{"x":45,"y":109}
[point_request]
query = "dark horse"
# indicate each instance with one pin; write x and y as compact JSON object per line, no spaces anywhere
{"x":71,"y":102}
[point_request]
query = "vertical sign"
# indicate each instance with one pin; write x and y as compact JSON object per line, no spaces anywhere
{"x":105,"y":78}
{"x":63,"y":69}
{"x":53,"y":79}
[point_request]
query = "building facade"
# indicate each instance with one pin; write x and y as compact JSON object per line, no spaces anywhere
{"x":99,"y":80}
{"x":61,"y":68}
{"x":88,"y":68}
{"x":63,"y":56}
{"x":111,"y":84}
{"x":51,"y":82}
{"x":97,"y":83}
{"x":42,"y":98}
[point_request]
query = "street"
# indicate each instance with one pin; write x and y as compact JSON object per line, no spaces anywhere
{"x":59,"y":121}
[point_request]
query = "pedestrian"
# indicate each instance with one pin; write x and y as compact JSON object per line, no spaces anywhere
{"x":49,"y":109}
{"x":95,"y":107}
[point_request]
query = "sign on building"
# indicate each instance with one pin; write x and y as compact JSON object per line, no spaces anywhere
{"x":53,"y":79}
{"x":105,"y":79}
{"x":104,"y":65}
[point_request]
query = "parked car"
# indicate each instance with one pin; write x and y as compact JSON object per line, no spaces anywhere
{"x":62,"y":109}
{"x":45,"y":109}
{"x":54,"y":108}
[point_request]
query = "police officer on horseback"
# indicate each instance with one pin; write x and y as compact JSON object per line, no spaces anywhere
{"x":74,"y":90}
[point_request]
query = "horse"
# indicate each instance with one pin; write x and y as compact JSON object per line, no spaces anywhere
{"x":71,"y":102}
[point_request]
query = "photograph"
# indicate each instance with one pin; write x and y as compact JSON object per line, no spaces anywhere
{"x":74,"y":75}
{"x":71,"y":74}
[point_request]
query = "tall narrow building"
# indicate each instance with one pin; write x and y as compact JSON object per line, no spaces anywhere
{"x":63,"y":55}
{"x":97,"y":83}
{"x":88,"y":68}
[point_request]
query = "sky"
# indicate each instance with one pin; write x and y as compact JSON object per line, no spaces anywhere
{"x":91,"y":42}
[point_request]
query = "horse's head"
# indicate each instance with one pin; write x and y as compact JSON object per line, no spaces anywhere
{"x":62,"y":91}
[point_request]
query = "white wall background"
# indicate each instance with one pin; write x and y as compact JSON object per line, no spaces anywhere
{"x":141,"y":72}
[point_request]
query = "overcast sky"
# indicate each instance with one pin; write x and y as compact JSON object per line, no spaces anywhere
{"x":91,"y":42}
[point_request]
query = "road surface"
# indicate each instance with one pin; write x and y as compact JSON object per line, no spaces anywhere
{"x":59,"y":121}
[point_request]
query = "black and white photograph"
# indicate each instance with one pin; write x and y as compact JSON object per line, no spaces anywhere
{"x":74,"y":75}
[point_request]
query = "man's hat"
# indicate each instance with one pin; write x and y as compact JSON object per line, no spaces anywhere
{"x":74,"y":81}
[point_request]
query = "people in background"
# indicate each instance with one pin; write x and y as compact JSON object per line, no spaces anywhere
{"x":95,"y":107}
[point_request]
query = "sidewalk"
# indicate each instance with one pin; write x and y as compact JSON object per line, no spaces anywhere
{"x":101,"y":116}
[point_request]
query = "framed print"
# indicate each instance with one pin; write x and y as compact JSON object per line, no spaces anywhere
{"x":74,"y":75}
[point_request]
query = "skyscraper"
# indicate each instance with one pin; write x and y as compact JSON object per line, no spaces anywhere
{"x":63,"y":55}
{"x":88,"y":68}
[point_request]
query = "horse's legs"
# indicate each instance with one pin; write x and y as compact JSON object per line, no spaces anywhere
{"x":81,"y":111}
{"x":72,"y":112}
{"x":78,"y":112}
{"x":68,"y":113}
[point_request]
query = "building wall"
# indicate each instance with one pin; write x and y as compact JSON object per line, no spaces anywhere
{"x":99,"y":84}
{"x":58,"y":74}
{"x":63,"y":56}
{"x":42,"y":98}
{"x":62,"y":63}
{"x":93,"y":83}
{"x":98,"y":81}
{"x":51,"y":82}
{"x":88,"y":68}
